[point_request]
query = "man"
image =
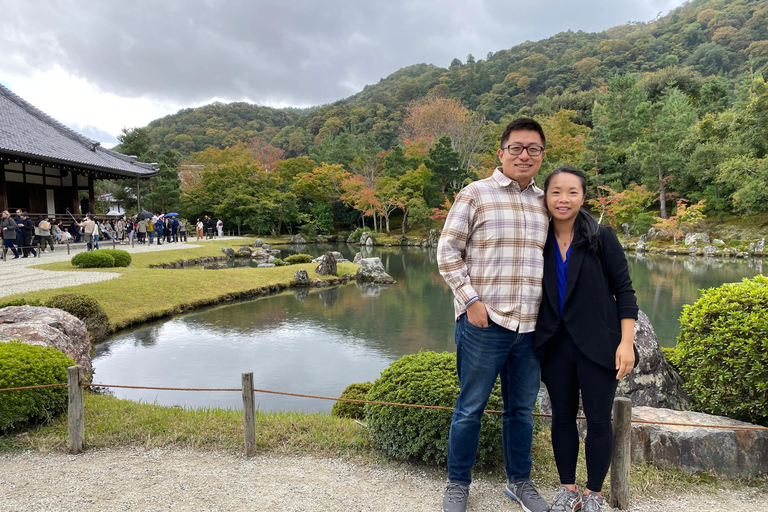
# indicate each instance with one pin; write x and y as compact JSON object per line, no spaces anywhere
{"x":490,"y":254}
{"x":208,"y":225}
{"x":45,"y":233}
{"x":27,"y":232}
{"x":88,"y":225}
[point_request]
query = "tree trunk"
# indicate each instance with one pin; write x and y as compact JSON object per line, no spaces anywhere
{"x":662,"y":200}
{"x":405,"y":221}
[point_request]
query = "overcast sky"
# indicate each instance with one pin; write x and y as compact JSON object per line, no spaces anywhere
{"x":99,"y":66}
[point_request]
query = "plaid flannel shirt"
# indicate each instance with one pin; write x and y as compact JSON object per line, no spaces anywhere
{"x":491,"y":248}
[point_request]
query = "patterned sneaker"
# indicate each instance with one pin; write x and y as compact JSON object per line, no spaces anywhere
{"x":566,"y":501}
{"x":592,"y":502}
{"x":455,"y":498}
{"x":526,"y":494}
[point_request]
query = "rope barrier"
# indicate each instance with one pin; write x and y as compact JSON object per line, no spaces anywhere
{"x":373,"y":402}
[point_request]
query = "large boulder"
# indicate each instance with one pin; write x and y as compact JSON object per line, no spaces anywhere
{"x":364,"y":237}
{"x":298,"y":240}
{"x":301,"y":278}
{"x":327,"y":266}
{"x":228,"y":252}
{"x":258,"y":243}
{"x":727,"y":452}
{"x":243,"y":252}
{"x":371,"y":270}
{"x":48,"y":327}
{"x":358,"y":257}
{"x":653,"y":382}
{"x":336,"y":254}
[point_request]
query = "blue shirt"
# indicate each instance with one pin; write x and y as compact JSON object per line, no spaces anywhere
{"x":562,"y":274}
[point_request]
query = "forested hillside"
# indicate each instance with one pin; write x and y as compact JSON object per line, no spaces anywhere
{"x":679,"y":105}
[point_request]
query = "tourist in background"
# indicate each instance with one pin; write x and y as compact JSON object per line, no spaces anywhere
{"x":159,"y":228}
{"x":142,"y":227}
{"x":199,"y":228}
{"x":9,"y":227}
{"x":45,"y":234}
{"x":27,"y":232}
{"x":151,"y":229}
{"x":220,"y":228}
{"x":584,"y":334}
{"x":183,"y":230}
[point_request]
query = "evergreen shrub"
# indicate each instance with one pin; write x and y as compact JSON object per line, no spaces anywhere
{"x":722,"y":351}
{"x":122,"y":258}
{"x":643,"y":223}
{"x":87,"y":309}
{"x":298,"y":258}
{"x":93,"y":259}
{"x":353,"y":410}
{"x":24,"y":365}
{"x":416,"y":434}
{"x":356,"y":234}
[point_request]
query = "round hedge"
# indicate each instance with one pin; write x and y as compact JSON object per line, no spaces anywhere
{"x":122,"y":258}
{"x":87,"y":309}
{"x":353,"y":410}
{"x":415,"y":434}
{"x":722,"y":351}
{"x":298,"y":258}
{"x":29,"y":365}
{"x":93,"y":259}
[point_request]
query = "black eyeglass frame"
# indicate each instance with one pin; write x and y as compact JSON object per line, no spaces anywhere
{"x":538,"y":150}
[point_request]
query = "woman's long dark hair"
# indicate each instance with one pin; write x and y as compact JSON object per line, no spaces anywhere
{"x":585,"y":225}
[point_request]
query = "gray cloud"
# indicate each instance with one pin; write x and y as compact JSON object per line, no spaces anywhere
{"x":298,"y":53}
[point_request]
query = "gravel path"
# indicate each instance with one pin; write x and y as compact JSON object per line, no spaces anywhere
{"x":186,"y":480}
{"x":17,"y":277}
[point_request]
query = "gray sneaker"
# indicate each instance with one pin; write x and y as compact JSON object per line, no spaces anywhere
{"x":526,"y":494}
{"x":455,"y":498}
{"x":592,"y":502}
{"x":566,"y":501}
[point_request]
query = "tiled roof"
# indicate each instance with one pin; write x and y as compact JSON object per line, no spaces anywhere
{"x":27,"y":131}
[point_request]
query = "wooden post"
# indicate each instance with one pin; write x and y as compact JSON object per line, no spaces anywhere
{"x":249,"y":414}
{"x":620,"y":464}
{"x":75,"y":420}
{"x":68,"y":246}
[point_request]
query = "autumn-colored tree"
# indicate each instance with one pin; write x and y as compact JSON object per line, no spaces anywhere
{"x":623,"y":207}
{"x":265,"y":154}
{"x":361,"y":197}
{"x":566,"y":140}
{"x":323,"y":184}
{"x":685,"y":218}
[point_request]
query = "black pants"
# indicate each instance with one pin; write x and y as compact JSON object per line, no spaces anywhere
{"x":566,"y":370}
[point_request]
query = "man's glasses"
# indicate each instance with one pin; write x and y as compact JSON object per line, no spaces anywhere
{"x":516,"y":149}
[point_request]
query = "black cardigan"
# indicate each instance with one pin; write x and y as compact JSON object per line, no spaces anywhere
{"x":596,"y":298}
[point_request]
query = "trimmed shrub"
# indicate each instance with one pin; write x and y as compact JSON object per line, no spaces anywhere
{"x":298,"y":258}
{"x":21,"y":302}
{"x":87,"y":309}
{"x":353,"y":410}
{"x":122,"y":258}
{"x":29,"y":365}
{"x":722,"y":351}
{"x":356,"y":234}
{"x":93,"y":259}
{"x":416,"y":434}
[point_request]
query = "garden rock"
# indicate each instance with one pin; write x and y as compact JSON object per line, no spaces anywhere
{"x":369,"y":242}
{"x":48,"y":327}
{"x":301,"y":278}
{"x":433,"y":238}
{"x":653,"y":382}
{"x":260,"y":254}
{"x":760,"y":247}
{"x":228,"y":252}
{"x":328,"y":266}
{"x":298,"y":240}
{"x":243,"y":252}
{"x":710,"y":250}
{"x":258,"y":243}
{"x":730,"y":453}
{"x":717,"y":241}
{"x":266,"y":247}
{"x":336,"y":254}
{"x":364,"y":237}
{"x":371,"y":270}
{"x":641,"y":245}
{"x":358,"y":257}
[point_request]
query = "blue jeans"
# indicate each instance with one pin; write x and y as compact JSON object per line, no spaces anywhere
{"x":482,"y":354}
{"x":151,"y":237}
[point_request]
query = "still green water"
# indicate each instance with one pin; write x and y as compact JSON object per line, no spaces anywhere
{"x":317,"y":342}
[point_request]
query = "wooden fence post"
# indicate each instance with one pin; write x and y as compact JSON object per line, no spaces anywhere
{"x":620,"y":465}
{"x":75,"y":420}
{"x":249,"y":414}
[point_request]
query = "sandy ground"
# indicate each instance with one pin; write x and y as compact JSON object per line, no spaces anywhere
{"x":185,"y":480}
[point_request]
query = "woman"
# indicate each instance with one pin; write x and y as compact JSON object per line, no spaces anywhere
{"x":183,"y":230}
{"x":199,"y":228}
{"x":584,"y":334}
{"x":9,"y":228}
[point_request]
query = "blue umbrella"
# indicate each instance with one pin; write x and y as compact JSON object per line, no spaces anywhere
{"x":172,"y":214}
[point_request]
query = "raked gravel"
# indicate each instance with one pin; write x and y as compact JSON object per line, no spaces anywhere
{"x":133,"y":479}
{"x":16,"y":276}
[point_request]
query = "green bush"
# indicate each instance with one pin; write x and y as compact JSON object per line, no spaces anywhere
{"x":87,"y":309}
{"x":722,"y":351}
{"x":356,"y":234}
{"x":416,"y":434}
{"x":353,"y":410}
{"x":21,"y":302}
{"x":298,"y":258}
{"x":24,"y":365}
{"x":122,"y":258}
{"x":278,"y":262}
{"x":643,"y":223}
{"x":735,"y":243}
{"x":93,"y":259}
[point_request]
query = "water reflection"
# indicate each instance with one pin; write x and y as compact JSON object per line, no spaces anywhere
{"x":317,"y":341}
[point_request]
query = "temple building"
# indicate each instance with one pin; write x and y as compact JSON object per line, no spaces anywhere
{"x":46,"y":165}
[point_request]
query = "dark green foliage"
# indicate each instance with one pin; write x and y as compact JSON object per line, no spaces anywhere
{"x":417,"y":434}
{"x":122,"y":258}
{"x":87,"y":309}
{"x":24,"y":365}
{"x":21,"y":302}
{"x":93,"y":259}
{"x":298,"y":258}
{"x":356,"y":234}
{"x":353,"y":410}
{"x":722,"y":351}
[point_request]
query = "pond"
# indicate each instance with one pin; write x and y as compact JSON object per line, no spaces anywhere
{"x":319,"y":341}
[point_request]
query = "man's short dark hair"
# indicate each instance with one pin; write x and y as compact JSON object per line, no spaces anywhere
{"x":523,"y":123}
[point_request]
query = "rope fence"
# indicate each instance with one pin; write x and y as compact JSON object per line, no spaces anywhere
{"x":622,"y":421}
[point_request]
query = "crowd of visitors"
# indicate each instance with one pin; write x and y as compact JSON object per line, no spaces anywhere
{"x":23,"y":236}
